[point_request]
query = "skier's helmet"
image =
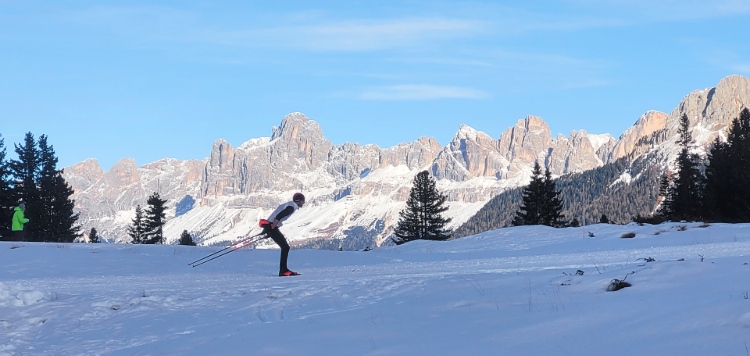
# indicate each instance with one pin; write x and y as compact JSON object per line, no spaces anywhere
{"x":298,"y":197}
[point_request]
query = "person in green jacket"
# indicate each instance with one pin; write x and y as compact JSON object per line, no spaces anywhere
{"x":18,"y":221}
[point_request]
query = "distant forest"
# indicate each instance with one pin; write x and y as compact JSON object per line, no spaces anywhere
{"x":586,"y":197}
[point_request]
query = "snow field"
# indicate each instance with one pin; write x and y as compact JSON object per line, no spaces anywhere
{"x":510,"y":291}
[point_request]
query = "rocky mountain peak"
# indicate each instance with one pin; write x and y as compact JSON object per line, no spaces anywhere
{"x":89,"y":167}
{"x":124,"y":172}
{"x":646,"y":125}
{"x":710,"y":111}
{"x":296,"y":125}
{"x":535,"y":124}
{"x":724,"y":103}
{"x":299,"y":140}
{"x":84,"y":174}
{"x":527,"y":141}
{"x":466,"y":132}
{"x":222,"y":154}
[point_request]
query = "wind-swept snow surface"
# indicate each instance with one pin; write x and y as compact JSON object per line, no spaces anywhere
{"x":515,"y":291}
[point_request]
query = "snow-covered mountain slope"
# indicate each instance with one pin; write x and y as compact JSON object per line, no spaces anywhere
{"x":355,"y":192}
{"x":514,"y":291}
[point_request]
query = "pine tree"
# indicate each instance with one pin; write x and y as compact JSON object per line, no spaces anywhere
{"x":155,"y":220}
{"x":530,"y":211}
{"x":665,"y":210}
{"x":137,"y":229}
{"x":727,"y":189}
{"x":553,"y":205}
{"x":686,"y":192}
{"x":720,"y":184}
{"x":739,"y":137}
{"x":604,"y":219}
{"x":541,"y":201}
{"x":57,"y":219}
{"x":25,"y":171}
{"x":186,"y":239}
{"x":93,"y":236}
{"x":422,"y":219}
{"x":6,"y":198}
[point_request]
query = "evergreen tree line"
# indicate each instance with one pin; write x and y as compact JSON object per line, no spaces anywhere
{"x":587,"y":197}
{"x":715,"y":190}
{"x":591,"y":195}
{"x":147,"y":227}
{"x":33,"y":179}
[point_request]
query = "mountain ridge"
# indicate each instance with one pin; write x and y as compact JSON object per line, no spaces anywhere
{"x":235,"y":186}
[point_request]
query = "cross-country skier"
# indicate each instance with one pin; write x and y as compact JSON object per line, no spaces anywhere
{"x":276,"y":220}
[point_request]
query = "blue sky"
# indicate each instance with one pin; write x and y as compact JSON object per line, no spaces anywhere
{"x":151,"y":80}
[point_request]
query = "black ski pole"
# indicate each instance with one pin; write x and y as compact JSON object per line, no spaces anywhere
{"x":223,"y":249}
{"x":245,"y":244}
{"x":226,"y":248}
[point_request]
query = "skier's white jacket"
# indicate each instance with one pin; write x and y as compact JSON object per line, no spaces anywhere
{"x":283,"y":212}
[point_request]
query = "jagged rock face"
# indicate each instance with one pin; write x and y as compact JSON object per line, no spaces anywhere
{"x":351,"y":161}
{"x":106,"y":200}
{"x":647,"y":125}
{"x":415,"y":155}
{"x":173,"y":178}
{"x":474,"y":154}
{"x":366,"y":186}
{"x":123,"y":173}
{"x":220,"y":168}
{"x":711,"y":111}
{"x":84,"y":174}
{"x":576,"y":154}
{"x":607,"y":145}
{"x":298,"y":145}
{"x":470,"y":154}
{"x":527,"y":142}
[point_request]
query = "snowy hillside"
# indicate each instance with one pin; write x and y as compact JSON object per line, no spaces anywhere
{"x":515,"y":291}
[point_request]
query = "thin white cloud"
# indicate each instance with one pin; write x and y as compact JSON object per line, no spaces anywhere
{"x":292,"y":31}
{"x":741,"y":67}
{"x":587,"y":83}
{"x":723,"y":56}
{"x":667,"y":10}
{"x":376,"y":35}
{"x":316,"y":30}
{"x":348,"y":36}
{"x":143,"y":21}
{"x":420,"y":92}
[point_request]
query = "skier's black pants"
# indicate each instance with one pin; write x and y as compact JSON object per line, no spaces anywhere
{"x":280,"y":240}
{"x":18,"y":235}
